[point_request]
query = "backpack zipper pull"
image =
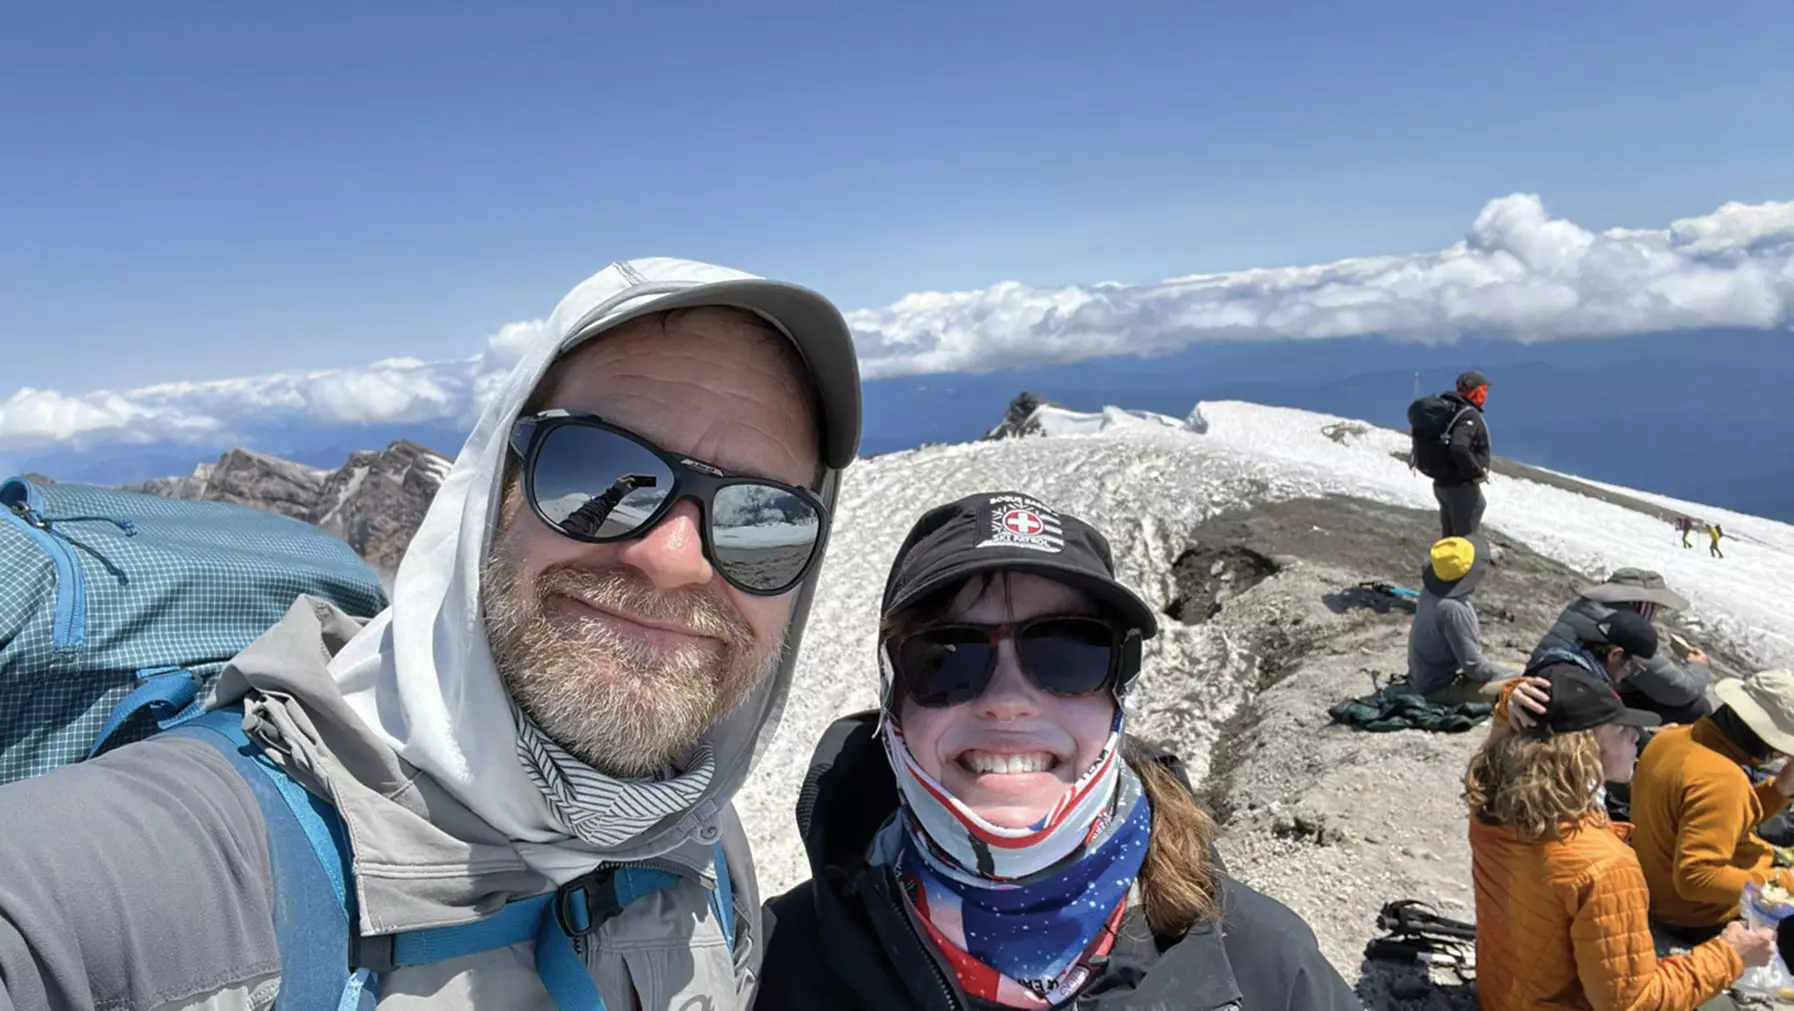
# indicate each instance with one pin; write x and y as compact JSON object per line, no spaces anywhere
{"x":30,"y":515}
{"x":45,"y":522}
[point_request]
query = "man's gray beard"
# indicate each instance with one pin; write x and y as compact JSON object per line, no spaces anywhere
{"x":621,"y":706}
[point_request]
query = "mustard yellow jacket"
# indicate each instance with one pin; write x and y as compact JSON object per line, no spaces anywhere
{"x":1696,"y":816}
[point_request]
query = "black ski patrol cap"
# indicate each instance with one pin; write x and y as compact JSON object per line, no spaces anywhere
{"x":1010,"y":532}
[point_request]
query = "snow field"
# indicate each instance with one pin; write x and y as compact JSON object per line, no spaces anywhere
{"x":1146,"y":481}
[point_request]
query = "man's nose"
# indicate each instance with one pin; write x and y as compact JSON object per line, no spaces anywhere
{"x":672,"y":554}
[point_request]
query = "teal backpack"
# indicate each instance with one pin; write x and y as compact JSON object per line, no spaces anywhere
{"x":117,"y":612}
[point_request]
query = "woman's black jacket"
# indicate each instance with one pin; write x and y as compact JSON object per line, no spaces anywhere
{"x":846,"y":939}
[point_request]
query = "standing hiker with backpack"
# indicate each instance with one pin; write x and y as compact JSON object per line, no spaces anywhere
{"x":512,"y":788}
{"x":1450,"y":444}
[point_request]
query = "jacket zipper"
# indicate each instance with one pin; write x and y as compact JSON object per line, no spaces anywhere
{"x":923,"y":945}
{"x":68,"y":630}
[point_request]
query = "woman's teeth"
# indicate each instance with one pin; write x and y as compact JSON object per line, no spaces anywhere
{"x":984,"y":762}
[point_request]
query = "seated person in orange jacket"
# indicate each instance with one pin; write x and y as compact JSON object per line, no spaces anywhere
{"x":1697,"y":812}
{"x":1561,"y":904}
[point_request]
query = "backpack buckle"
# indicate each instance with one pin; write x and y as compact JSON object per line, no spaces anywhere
{"x":582,"y":905}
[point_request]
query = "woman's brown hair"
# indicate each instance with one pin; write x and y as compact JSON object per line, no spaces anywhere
{"x":1541,"y":787}
{"x":1178,"y":883}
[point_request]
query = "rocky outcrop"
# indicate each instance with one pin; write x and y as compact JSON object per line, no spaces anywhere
{"x":374,"y":502}
{"x":242,"y":477}
{"x":1018,"y":420}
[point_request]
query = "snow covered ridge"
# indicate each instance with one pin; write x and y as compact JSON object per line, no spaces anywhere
{"x":1147,"y":481}
{"x":1051,"y":419}
{"x":1517,"y":272}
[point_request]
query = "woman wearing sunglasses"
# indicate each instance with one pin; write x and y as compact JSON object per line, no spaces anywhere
{"x":990,"y":837}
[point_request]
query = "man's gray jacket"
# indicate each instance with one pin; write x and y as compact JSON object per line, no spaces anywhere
{"x":141,"y":880}
{"x":1444,"y":644}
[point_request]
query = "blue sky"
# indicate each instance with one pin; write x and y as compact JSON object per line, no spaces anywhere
{"x":197,"y":190}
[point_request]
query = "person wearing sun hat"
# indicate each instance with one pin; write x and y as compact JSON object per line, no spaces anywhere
{"x":1445,"y":656}
{"x":1611,"y":649}
{"x":1697,"y":812}
{"x":1672,"y":686}
{"x":1562,"y":918}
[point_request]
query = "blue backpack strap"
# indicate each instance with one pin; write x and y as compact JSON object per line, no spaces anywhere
{"x":168,"y":694}
{"x":1558,"y":654}
{"x":576,"y":909}
{"x":314,"y":907}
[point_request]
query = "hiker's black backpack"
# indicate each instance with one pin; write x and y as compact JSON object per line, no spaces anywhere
{"x":1430,"y":421}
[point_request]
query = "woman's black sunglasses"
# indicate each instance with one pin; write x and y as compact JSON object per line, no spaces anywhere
{"x":598,"y":483}
{"x":1070,"y":656}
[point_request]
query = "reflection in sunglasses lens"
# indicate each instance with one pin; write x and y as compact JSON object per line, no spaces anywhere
{"x":762,"y":534}
{"x":594,"y":483}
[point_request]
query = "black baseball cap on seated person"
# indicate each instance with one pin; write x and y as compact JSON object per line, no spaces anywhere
{"x":1582,"y":701}
{"x":1015,"y":532}
{"x":1630,"y":631}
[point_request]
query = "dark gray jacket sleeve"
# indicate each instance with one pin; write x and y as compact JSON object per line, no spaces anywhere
{"x":137,"y":879}
{"x":1463,"y":448}
{"x":1459,"y":626}
{"x":1664,"y":680}
{"x":1275,"y":958}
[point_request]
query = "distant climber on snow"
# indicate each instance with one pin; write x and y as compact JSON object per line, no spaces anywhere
{"x":1445,"y":655}
{"x":1675,"y":689}
{"x":1562,"y":917}
{"x":991,"y":836}
{"x":1714,"y":532}
{"x":1685,"y":526}
{"x":1451,"y":446}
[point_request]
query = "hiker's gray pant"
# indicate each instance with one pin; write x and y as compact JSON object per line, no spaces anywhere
{"x":1460,"y":509}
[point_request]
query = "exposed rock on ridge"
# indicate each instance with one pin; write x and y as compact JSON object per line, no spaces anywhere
{"x":1018,"y":418}
{"x":374,"y":502}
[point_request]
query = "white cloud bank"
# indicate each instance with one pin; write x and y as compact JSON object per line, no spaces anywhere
{"x":1519,"y":273}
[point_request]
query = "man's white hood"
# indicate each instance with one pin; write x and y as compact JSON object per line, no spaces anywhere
{"x":421,"y":674}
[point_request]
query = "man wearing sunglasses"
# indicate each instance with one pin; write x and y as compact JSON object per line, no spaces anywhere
{"x":512,"y":789}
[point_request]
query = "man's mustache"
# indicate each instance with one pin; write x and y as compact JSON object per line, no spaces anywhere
{"x":624,"y":590}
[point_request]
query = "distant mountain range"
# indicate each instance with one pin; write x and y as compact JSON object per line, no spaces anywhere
{"x":1696,"y":415}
